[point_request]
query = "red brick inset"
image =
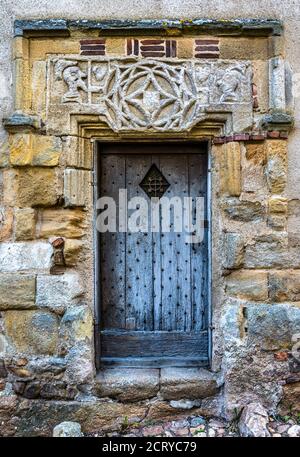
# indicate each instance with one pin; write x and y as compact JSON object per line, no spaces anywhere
{"x":206,"y":49}
{"x":252,"y":136}
{"x":94,"y":47}
{"x":151,"y":48}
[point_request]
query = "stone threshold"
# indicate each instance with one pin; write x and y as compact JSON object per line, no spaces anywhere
{"x":169,"y":383}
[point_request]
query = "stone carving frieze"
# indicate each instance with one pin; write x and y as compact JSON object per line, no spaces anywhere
{"x":149,"y":94}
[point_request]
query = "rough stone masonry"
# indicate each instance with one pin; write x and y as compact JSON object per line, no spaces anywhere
{"x":241,"y":78}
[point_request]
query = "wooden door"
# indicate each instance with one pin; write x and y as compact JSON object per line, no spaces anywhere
{"x":154,"y":285}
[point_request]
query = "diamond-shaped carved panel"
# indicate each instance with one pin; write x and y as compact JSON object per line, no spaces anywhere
{"x":154,"y":183}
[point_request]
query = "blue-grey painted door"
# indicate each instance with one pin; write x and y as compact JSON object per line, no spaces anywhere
{"x":154,"y":285}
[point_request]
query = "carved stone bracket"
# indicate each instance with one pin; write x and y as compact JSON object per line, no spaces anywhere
{"x":148,"y":95}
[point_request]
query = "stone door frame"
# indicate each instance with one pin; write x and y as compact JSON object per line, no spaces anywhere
{"x":97,"y":141}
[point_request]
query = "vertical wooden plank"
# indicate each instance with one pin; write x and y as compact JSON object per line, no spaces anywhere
{"x":112,"y":248}
{"x":156,"y":267}
{"x":175,"y":253}
{"x":198,"y":188}
{"x":139,"y":280}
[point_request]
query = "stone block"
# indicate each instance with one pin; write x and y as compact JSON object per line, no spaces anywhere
{"x":185,"y":48}
{"x":230,"y":168}
{"x":80,"y":364}
{"x":32,"y":331}
{"x":67,"y":430}
{"x":20,"y":149}
{"x":284,"y":285}
{"x":40,"y":47}
{"x":36,"y":150}
{"x":291,"y":399}
{"x":254,"y":420}
{"x":17,"y":291}
{"x":245,"y":284}
{"x":72,"y":251}
{"x":31,"y":187}
{"x":128,"y":384}
{"x":25,"y":256}
{"x":6,"y":223}
{"x":244,"y":48}
{"x":58,"y":292}
{"x":233,"y":250}
{"x":256,"y":153}
{"x":77,"y":324}
{"x":243,"y":210}
{"x":115,"y":46}
{"x":68,"y":223}
{"x":39,"y":89}
{"x":276,"y":168}
{"x":277,"y":204}
{"x":190,"y":383}
{"x":78,"y":154}
{"x":77,"y":187}
{"x":272,"y":327}
{"x":25,"y":220}
{"x":271,"y":251}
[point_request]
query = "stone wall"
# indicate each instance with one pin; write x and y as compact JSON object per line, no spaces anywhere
{"x":47,"y":356}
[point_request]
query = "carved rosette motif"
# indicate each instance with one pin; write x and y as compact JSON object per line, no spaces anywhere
{"x":151,"y":94}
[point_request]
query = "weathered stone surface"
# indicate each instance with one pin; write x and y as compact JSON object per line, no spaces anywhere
{"x":32,"y":332}
{"x":77,"y":187}
{"x":25,"y":220}
{"x":271,"y":251}
{"x":25,"y":256}
{"x":277,"y":207}
{"x":185,"y":404}
{"x":72,"y":251}
{"x":77,"y":324}
{"x":291,"y":399}
{"x":67,"y":430}
{"x":272,"y":326}
{"x":80,"y":363}
{"x":3,"y":371}
{"x":242,"y":210}
{"x":190,"y":383}
{"x":233,"y":250}
{"x":256,"y":153}
{"x":62,"y":222}
{"x":230,"y":169}
{"x":17,"y":291}
{"x":53,"y":365}
{"x":284,"y":285}
{"x":123,"y":117}
{"x":6,"y":222}
{"x":252,"y":372}
{"x":248,"y":284}
{"x":94,"y":416}
{"x":128,"y":384}
{"x":243,"y":48}
{"x":294,"y":431}
{"x":277,"y":204}
{"x":253,"y":421}
{"x":36,"y":150}
{"x":276,"y":165}
{"x":31,"y":187}
{"x":277,"y":221}
{"x":58,"y":292}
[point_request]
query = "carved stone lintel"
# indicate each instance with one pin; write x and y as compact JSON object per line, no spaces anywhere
{"x":151,"y":95}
